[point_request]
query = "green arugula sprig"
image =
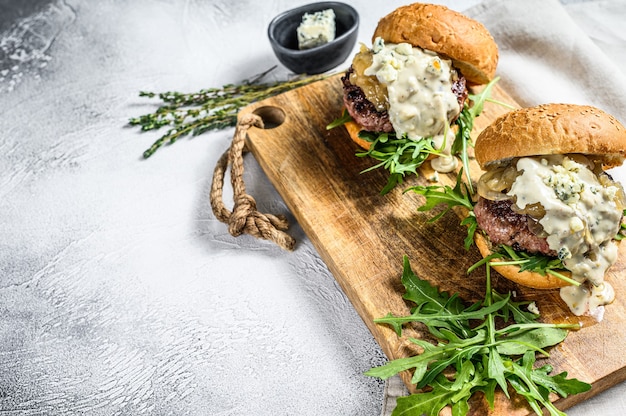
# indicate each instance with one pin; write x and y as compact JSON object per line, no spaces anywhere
{"x":465,"y":122}
{"x":185,"y":114}
{"x":345,"y":117}
{"x":621,"y":233}
{"x":481,"y":355}
{"x":459,"y":196}
{"x":534,"y":262}
{"x":398,"y":155}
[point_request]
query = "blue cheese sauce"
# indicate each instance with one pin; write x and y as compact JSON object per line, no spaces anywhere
{"x":421,"y":103}
{"x":581,"y":219}
{"x":445,"y":163}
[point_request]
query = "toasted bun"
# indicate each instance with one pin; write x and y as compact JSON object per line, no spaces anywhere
{"x":465,"y":41}
{"x":353,"y":130}
{"x":553,"y":129}
{"x":511,"y":272}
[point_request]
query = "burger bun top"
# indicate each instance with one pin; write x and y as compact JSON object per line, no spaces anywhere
{"x":553,"y":129}
{"x":465,"y":41}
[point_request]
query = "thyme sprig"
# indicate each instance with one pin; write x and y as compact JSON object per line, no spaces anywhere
{"x":209,"y":109}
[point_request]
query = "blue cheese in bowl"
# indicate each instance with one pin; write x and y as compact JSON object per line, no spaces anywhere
{"x":316,"y":29}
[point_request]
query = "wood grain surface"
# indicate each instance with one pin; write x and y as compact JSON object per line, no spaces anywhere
{"x":362,"y":237}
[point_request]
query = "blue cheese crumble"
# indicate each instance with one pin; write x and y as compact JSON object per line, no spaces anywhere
{"x":316,"y":29}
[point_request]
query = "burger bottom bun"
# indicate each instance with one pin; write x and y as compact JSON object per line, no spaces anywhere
{"x":353,"y":130}
{"x":511,"y":272}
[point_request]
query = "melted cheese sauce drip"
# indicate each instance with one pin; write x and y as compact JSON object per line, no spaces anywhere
{"x":419,"y":88}
{"x":581,"y":219}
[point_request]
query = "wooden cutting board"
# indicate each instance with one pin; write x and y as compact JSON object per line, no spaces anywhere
{"x":362,"y":236}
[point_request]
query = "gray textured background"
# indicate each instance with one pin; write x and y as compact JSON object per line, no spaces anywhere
{"x":120,"y":294}
{"x":119,"y":291}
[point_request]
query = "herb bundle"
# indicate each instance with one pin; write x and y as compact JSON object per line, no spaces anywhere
{"x":487,"y":345}
{"x":209,"y":109}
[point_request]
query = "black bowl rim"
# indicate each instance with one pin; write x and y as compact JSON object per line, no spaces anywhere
{"x":308,"y":7}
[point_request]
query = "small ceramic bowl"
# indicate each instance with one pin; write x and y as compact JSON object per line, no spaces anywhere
{"x":282,"y":33}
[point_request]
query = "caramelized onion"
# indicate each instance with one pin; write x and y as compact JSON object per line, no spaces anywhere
{"x":374,"y":91}
{"x":535,"y":211}
{"x":536,"y":228}
{"x":495,"y":183}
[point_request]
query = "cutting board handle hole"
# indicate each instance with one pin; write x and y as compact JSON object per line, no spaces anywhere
{"x":272,"y":116}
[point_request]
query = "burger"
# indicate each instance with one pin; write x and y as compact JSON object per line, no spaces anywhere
{"x":412,"y":84}
{"x":546,"y":201}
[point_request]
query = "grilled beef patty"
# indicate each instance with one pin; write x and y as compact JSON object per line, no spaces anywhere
{"x":504,"y":226}
{"x":362,"y":110}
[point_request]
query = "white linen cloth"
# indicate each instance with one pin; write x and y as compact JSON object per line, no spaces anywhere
{"x":546,"y":56}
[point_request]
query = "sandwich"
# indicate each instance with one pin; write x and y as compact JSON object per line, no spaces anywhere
{"x":547,"y":210}
{"x":412,"y":84}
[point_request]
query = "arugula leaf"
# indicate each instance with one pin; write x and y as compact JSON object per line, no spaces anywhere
{"x":444,"y":194}
{"x":534,"y":262}
{"x":525,"y":334}
{"x":523,"y":338}
{"x":437,"y":310}
{"x":443,"y":393}
{"x":558,"y":383}
{"x":496,"y":369}
{"x":430,"y":300}
{"x":460,"y":195}
{"x":345,"y":117}
{"x":621,"y":233}
{"x":472,"y":226}
{"x":514,"y":309}
{"x":442,"y":319}
{"x":465,"y":122}
{"x":480,"y":356}
{"x":400,"y":156}
{"x":535,"y":384}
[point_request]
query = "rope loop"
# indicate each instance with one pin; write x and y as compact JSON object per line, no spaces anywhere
{"x":244,"y":218}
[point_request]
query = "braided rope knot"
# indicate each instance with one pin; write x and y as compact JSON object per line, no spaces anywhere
{"x":244,"y":218}
{"x":243,"y":211}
